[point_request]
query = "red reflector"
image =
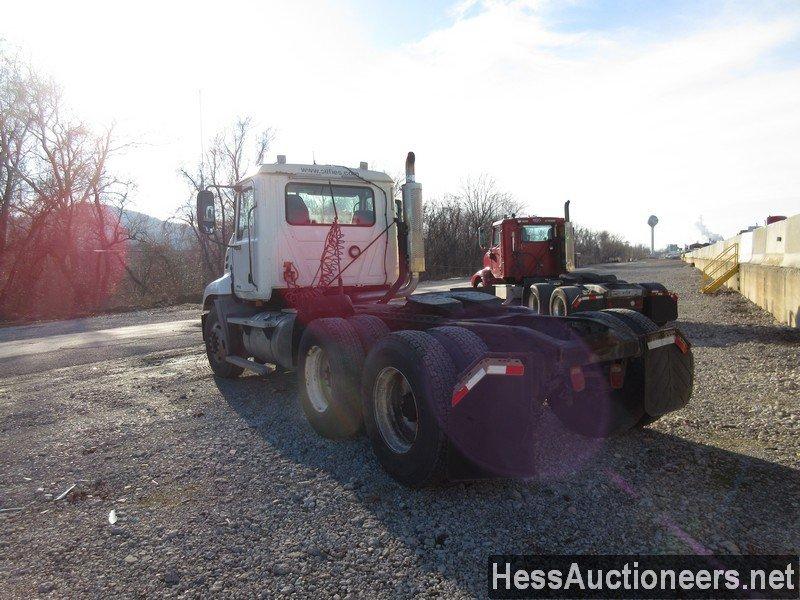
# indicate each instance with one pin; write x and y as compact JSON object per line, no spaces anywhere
{"x":617,"y":376}
{"x":577,"y":379}
{"x":577,"y":301}
{"x":674,"y":296}
{"x":515,"y":369}
{"x":681,"y":344}
{"x":459,"y":394}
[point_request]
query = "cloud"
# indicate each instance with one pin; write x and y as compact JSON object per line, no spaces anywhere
{"x":624,"y":122}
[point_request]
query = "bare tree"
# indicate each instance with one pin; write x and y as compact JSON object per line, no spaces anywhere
{"x":451,"y":224}
{"x":62,"y":239}
{"x":592,"y":247}
{"x":225,"y":162}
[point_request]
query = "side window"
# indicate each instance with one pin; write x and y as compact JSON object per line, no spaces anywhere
{"x":245,"y":205}
{"x":496,"y":236}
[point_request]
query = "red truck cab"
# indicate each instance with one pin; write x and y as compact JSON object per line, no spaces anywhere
{"x":523,"y":248}
{"x":530,"y":260}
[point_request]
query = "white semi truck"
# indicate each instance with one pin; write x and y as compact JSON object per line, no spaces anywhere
{"x":319,"y":277}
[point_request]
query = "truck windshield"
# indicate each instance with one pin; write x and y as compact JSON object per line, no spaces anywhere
{"x":537,"y":233}
{"x":318,"y":203}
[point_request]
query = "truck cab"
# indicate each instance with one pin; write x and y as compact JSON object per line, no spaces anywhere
{"x":522,"y":248}
{"x":284,"y":213}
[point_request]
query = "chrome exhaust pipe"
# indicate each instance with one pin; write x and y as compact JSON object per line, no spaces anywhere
{"x":412,"y":215}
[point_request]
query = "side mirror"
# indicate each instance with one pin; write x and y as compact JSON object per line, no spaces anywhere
{"x":483,"y":242}
{"x":206,"y":212}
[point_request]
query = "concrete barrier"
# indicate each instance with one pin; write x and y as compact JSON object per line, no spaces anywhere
{"x":769,"y":267}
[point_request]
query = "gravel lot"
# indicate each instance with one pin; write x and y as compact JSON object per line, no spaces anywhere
{"x":220,"y":487}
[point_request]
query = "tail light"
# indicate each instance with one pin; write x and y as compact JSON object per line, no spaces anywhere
{"x":616,"y":375}
{"x":577,"y":379}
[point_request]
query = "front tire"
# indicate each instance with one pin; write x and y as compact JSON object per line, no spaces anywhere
{"x":407,"y":387}
{"x":217,"y":349}
{"x":330,"y":359}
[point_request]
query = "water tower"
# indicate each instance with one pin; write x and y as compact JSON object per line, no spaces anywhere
{"x":652,"y":221}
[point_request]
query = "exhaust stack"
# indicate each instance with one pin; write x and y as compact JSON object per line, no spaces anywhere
{"x":569,"y":241}
{"x":412,"y":215}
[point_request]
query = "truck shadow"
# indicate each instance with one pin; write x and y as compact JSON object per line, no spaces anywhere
{"x":645,"y":493}
{"x":719,"y":335}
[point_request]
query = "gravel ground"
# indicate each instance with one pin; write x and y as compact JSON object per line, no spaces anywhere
{"x":221,"y":488}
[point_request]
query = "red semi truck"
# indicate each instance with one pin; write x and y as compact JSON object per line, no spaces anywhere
{"x":530,"y":260}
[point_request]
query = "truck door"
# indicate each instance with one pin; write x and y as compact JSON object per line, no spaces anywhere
{"x":243,"y":248}
{"x":496,"y":252}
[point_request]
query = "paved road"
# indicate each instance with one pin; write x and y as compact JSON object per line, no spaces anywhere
{"x":220,"y":487}
{"x":42,"y":346}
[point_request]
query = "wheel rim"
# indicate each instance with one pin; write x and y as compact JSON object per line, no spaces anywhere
{"x":533,"y":303}
{"x":396,"y":410}
{"x":559,"y":307}
{"x":318,"y":379}
{"x":216,"y":344}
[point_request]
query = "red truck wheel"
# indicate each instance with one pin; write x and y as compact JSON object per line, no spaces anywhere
{"x":330,"y":358}
{"x":539,"y":298}
{"x":562,"y":299}
{"x":407,"y":385}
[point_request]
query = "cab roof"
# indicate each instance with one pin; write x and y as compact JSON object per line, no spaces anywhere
{"x":530,"y":220}
{"x":322,"y":172}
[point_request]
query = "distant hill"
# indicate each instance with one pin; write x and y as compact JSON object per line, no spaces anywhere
{"x":173,"y":231}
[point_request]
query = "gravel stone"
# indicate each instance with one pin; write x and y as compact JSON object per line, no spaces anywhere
{"x":229,"y":493}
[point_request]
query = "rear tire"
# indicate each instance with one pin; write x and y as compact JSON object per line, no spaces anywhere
{"x":639,"y":323}
{"x":540,"y":296}
{"x":642,"y":325}
{"x":369,"y":330}
{"x":217,"y":349}
{"x":562,"y":299}
{"x":463,"y":345}
{"x":330,"y":360}
{"x":407,"y":386}
{"x":624,"y":407}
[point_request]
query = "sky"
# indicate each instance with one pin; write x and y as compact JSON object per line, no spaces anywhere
{"x":675,"y":108}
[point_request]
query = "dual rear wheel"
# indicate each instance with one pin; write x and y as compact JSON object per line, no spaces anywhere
{"x":330,"y":362}
{"x":397,"y":386}
{"x":357,"y":375}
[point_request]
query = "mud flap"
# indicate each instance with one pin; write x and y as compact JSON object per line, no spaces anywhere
{"x":492,"y":418}
{"x":669,"y":372}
